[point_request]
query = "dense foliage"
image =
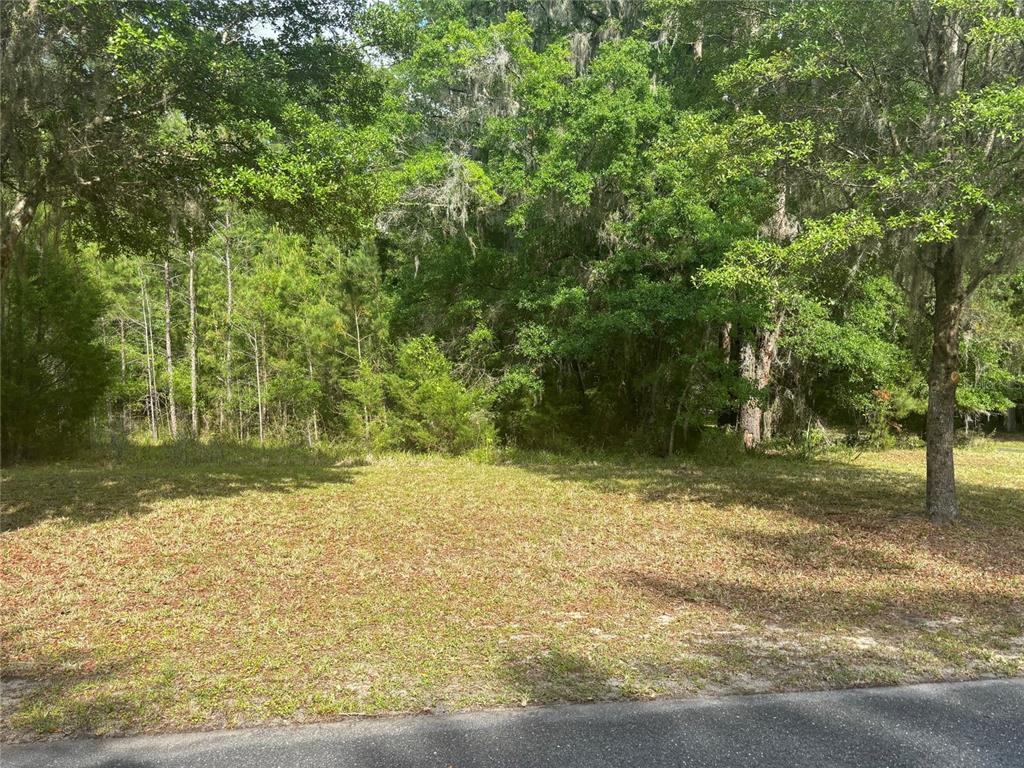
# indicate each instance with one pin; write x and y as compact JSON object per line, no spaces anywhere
{"x":438,"y":224}
{"x":54,"y":366}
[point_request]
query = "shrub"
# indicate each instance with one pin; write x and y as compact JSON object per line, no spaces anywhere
{"x":54,"y":368}
{"x":419,"y":404}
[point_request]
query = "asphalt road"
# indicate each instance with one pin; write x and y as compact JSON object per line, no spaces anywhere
{"x":944,"y":724}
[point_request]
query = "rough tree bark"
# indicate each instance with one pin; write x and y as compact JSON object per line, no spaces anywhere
{"x":757,"y":356}
{"x":946,"y":52}
{"x":943,"y":377}
{"x":750,"y":411}
{"x":759,"y":350}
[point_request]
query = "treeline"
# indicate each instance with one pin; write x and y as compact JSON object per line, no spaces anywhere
{"x":441,"y":225}
{"x":263,"y":335}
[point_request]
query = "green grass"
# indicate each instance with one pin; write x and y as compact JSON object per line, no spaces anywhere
{"x":214,"y":586}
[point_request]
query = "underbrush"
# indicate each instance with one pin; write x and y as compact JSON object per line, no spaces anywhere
{"x":188,"y":452}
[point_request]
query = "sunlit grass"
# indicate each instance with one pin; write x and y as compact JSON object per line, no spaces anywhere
{"x":208,"y":589}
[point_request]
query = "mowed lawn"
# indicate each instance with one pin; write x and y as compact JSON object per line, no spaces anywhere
{"x":235,"y":587}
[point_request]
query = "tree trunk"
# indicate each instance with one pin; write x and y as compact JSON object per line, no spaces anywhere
{"x":359,"y":358}
{"x":124,"y":375}
{"x":750,"y":411}
{"x":672,"y":427}
{"x":147,"y":332}
{"x":767,"y":356}
{"x":193,"y":342}
{"x":265,"y":375}
{"x":757,"y":359}
{"x":943,"y":377}
{"x":316,"y":428}
{"x":259,"y":382}
{"x":359,"y":338}
{"x":229,"y":308}
{"x":168,"y":353}
{"x":15,"y":222}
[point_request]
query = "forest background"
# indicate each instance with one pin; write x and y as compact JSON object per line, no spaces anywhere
{"x":444,"y":225}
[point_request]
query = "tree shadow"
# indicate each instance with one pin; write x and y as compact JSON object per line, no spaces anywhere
{"x":555,"y":675}
{"x":815,"y":552}
{"x":797,"y":636}
{"x":797,"y":604}
{"x":127,"y":483}
{"x":854,"y":508}
{"x":819,"y":489}
{"x":769,"y":637}
{"x":63,"y":693}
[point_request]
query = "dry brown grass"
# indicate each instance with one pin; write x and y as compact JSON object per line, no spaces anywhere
{"x":255,"y":587}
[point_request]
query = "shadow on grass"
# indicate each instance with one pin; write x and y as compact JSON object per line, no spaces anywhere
{"x":126,"y":482}
{"x":816,"y":552}
{"x":912,"y":606}
{"x":792,"y":637}
{"x":867,"y":519}
{"x":64,"y":694}
{"x":556,"y":675}
{"x":821,"y":490}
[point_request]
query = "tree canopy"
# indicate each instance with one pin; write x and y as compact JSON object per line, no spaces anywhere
{"x":449,"y":224}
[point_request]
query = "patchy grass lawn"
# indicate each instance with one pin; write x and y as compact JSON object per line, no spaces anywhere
{"x":247,"y":586}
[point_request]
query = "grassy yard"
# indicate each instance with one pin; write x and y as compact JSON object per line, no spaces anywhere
{"x":242,"y":587}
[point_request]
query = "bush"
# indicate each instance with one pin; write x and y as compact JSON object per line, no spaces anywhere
{"x":54,"y":368}
{"x":419,"y":404}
